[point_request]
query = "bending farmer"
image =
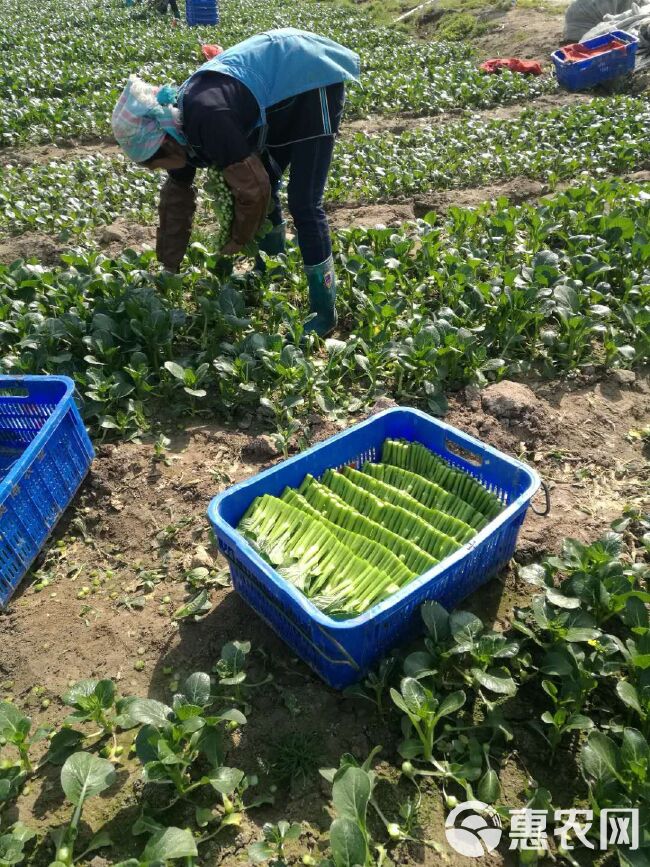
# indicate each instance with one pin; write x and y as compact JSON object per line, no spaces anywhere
{"x":269,"y":103}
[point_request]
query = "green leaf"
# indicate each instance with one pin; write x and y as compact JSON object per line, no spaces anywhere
{"x":105,"y":692}
{"x":398,"y":700}
{"x":464,"y":626}
{"x":84,"y":775}
{"x":170,"y":844}
{"x":14,"y":725}
{"x":410,"y":748}
{"x":197,"y":688}
{"x":294,"y":832}
{"x":579,"y":634}
{"x":260,"y":852}
{"x":558,"y":663}
{"x":599,"y":758}
{"x":82,"y":689}
{"x":351,"y":793}
{"x":226,"y":780}
{"x":99,"y":841}
{"x":418,"y":664}
{"x":451,"y":703}
{"x":578,"y":722}
{"x":495,"y":679}
{"x":148,"y":711}
{"x":561,"y":601}
{"x":414,"y":696}
{"x":63,"y":744}
{"x":635,"y":751}
{"x":176,"y":370}
{"x":534,"y":574}
{"x":629,"y":696}
{"x":436,"y":621}
{"x":489,"y":788}
{"x":193,"y":607}
{"x":146,"y":825}
{"x":347,"y":843}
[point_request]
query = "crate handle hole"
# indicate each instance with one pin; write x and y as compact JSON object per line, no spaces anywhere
{"x":463,"y":452}
{"x":13,"y":391}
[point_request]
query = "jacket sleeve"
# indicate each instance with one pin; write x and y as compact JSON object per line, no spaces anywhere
{"x":251,"y":188}
{"x":175,"y":215}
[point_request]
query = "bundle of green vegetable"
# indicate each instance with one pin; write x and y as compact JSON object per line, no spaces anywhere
{"x":220,"y":198}
{"x":222,"y":205}
{"x":355,"y":537}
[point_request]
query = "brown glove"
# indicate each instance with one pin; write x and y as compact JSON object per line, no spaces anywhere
{"x":251,"y":189}
{"x":175,"y":214}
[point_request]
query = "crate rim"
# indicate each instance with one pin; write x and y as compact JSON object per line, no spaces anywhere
{"x":393,"y":601}
{"x":629,"y":38}
{"x":17,"y":469}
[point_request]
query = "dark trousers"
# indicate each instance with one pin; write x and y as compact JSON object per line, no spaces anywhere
{"x":308,"y":162}
{"x":174,"y":7}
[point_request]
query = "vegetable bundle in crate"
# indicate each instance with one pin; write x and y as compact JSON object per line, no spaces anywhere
{"x":338,"y":547}
{"x":356,"y":537}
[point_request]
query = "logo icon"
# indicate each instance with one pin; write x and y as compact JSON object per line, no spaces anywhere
{"x":476,"y":834}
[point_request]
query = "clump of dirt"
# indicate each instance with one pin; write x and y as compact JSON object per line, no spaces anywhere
{"x":516,"y":408}
{"x":31,"y":245}
{"x":122,"y":234}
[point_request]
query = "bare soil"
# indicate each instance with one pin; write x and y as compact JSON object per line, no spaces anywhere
{"x":377,"y":124}
{"x":111,"y":240}
{"x":138,"y":518}
{"x":522,"y":32}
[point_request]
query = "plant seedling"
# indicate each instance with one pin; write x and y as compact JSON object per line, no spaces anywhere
{"x":12,"y":843}
{"x":82,"y":776}
{"x":173,"y":740}
{"x":275,"y":839}
{"x":96,"y":702}
{"x":15,"y":728}
{"x":423,"y":710}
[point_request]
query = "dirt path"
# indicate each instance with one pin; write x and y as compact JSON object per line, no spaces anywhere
{"x":396,"y":125}
{"x":516,"y":190}
{"x":137,"y":528}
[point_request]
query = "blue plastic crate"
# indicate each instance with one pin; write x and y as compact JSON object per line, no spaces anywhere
{"x":201,"y":12}
{"x":342,"y":651}
{"x":583,"y":74}
{"x":45,"y":454}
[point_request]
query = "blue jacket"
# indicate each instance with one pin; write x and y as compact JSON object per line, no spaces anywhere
{"x":279,"y":64}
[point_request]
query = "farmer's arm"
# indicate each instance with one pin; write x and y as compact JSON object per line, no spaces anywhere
{"x":224,"y":144}
{"x":175,"y":215}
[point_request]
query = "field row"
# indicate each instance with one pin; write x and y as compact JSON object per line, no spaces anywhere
{"x":604,"y":136}
{"x":501,"y":291}
{"x":58,"y":82}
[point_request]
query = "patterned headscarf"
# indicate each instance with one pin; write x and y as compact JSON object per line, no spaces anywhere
{"x":143,"y":116}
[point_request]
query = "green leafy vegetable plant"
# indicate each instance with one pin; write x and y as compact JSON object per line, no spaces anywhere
{"x":82,"y":776}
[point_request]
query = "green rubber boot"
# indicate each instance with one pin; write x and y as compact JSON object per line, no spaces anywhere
{"x":273,"y":243}
{"x":322,"y":298}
